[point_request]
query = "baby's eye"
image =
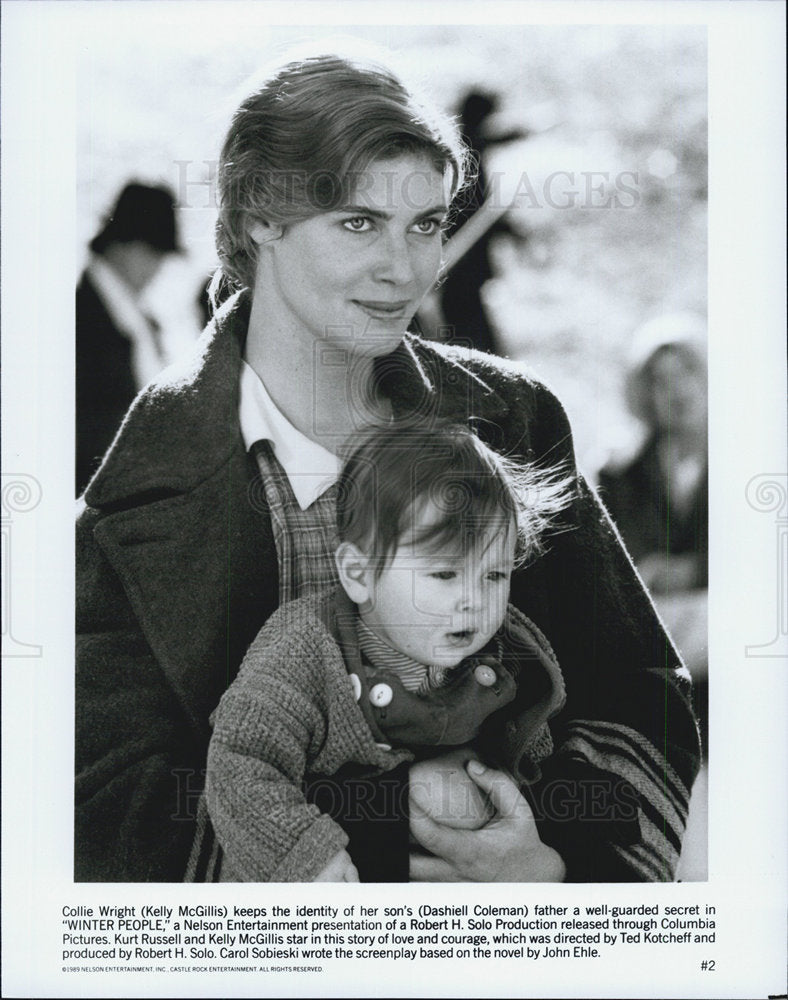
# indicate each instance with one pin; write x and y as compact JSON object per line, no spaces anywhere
{"x":358,"y":224}
{"x":443,"y":574}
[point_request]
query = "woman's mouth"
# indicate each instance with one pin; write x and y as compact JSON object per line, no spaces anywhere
{"x":383,"y":310}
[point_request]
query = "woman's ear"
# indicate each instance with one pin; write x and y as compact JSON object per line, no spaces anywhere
{"x":262,"y":231}
{"x":352,"y":566}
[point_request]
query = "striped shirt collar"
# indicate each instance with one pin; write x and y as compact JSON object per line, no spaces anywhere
{"x":413,"y":676}
{"x":310,"y":468}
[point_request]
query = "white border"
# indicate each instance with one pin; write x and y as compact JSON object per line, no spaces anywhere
{"x":747,"y":372}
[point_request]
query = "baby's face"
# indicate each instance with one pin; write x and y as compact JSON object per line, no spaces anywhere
{"x":440,"y":607}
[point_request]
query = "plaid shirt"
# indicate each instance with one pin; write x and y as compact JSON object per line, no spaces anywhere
{"x":305,"y":544}
{"x":305,"y":539}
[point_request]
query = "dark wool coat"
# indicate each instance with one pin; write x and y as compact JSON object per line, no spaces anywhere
{"x":105,"y":385}
{"x":177,"y":571}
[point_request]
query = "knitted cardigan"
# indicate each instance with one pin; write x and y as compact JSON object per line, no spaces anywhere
{"x":293,"y":711}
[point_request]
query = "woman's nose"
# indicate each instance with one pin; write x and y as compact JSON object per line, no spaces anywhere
{"x":396,"y":262}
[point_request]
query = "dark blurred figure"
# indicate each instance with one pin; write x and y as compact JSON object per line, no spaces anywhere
{"x":659,"y":497}
{"x":460,"y":293}
{"x":118,"y":347}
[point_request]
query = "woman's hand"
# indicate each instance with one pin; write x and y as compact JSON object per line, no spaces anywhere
{"x":339,"y":869}
{"x":507,"y":849}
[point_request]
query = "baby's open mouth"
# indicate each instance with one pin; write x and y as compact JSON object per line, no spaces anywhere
{"x":462,"y":635}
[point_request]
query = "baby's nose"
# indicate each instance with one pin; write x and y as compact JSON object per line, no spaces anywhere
{"x":469,"y":598}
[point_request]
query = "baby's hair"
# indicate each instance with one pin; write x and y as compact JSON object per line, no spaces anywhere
{"x":393,"y":473}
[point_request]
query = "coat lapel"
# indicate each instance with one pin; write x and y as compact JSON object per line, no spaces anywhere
{"x":425,"y":380}
{"x":200,"y":572}
{"x":191,"y":543}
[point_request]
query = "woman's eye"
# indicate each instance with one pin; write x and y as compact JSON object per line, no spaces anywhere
{"x":497,"y":575}
{"x":443,"y":574}
{"x":428,"y":227}
{"x":358,"y":224}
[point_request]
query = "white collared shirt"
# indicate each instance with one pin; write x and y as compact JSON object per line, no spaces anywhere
{"x":311,"y":469}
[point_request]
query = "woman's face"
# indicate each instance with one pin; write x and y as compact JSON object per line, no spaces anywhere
{"x":356,"y":275}
{"x":678,"y":391}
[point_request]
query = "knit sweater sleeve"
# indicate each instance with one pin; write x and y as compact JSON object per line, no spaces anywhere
{"x":268,"y":726}
{"x":614,"y":797}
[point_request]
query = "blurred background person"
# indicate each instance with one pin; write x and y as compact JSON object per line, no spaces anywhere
{"x":658,"y":497}
{"x":119,"y":348}
{"x":456,"y":313}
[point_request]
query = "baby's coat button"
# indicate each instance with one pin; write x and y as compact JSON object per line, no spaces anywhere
{"x":355,"y":683}
{"x":380,"y":695}
{"x":383,"y":746}
{"x":485,"y":675}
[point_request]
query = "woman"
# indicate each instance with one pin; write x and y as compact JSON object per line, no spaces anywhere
{"x":212,"y":507}
{"x":658,"y":496}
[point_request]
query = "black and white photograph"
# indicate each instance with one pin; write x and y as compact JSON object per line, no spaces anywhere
{"x":414,"y":385}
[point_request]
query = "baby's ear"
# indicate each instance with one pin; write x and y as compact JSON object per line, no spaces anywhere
{"x":352,"y":566}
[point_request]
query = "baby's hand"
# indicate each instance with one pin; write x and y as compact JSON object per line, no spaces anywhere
{"x":339,"y":869}
{"x":443,"y":790}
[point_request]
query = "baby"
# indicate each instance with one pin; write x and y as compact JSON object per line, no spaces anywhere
{"x":417,"y":650}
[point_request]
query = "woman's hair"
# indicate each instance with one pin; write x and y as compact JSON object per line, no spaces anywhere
{"x":683,"y":333}
{"x":394,"y":475}
{"x":296,"y":146}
